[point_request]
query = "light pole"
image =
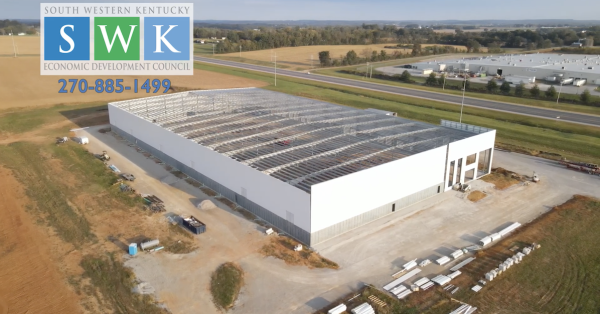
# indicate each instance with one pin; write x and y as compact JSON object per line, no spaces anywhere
{"x":560,"y":89}
{"x":462,"y":104}
{"x":275,"y":68}
{"x":12,"y":36}
{"x":444,"y":85}
{"x":367,"y":73}
{"x":371,"y":76}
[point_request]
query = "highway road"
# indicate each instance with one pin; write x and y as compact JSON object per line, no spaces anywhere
{"x":537,"y":112}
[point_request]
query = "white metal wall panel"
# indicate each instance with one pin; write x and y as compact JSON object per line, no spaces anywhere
{"x":339,"y":199}
{"x":268,"y":192}
{"x":466,"y":147}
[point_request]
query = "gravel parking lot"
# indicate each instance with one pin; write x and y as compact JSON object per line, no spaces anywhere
{"x":369,"y":254}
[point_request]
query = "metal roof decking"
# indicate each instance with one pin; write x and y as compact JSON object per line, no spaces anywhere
{"x":297,"y":140}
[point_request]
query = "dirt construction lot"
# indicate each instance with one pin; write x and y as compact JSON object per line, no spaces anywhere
{"x":369,"y":254}
{"x":21,"y":85}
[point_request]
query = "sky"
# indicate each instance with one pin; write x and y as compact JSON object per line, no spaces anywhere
{"x":395,"y":10}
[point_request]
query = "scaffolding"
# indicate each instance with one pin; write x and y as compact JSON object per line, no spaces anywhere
{"x":297,"y":140}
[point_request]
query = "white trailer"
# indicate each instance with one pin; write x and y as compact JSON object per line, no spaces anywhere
{"x":516,"y":80}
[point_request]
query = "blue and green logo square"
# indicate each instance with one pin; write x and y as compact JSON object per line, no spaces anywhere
{"x":67,"y":38}
{"x":116,"y":38}
{"x":167,"y":38}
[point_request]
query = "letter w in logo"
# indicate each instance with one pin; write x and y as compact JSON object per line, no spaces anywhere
{"x":106,"y":32}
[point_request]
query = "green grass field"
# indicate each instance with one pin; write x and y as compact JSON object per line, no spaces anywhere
{"x":541,"y":102}
{"x":525,"y":133}
{"x":225,"y":285}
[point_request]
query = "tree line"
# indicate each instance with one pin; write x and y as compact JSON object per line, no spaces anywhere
{"x":370,"y":55}
{"x":494,"y":40}
{"x":6,"y":26}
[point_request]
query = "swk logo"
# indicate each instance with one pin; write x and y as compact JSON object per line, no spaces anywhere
{"x":117,"y":38}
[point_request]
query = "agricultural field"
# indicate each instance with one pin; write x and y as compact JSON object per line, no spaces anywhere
{"x":21,"y":84}
{"x":25,"y":45}
{"x":298,"y":58}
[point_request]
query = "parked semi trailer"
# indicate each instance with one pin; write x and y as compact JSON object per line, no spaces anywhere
{"x":582,"y":166}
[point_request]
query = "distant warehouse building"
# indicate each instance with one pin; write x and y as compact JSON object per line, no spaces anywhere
{"x":528,"y":67}
{"x":310,"y":168}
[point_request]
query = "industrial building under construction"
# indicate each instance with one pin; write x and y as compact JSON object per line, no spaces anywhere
{"x":312,"y":169}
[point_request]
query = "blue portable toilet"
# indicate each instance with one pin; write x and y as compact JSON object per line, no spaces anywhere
{"x":132,"y":249}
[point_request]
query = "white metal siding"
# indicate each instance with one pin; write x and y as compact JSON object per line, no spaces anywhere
{"x":340,"y":199}
{"x":268,"y":192}
{"x":463,"y":148}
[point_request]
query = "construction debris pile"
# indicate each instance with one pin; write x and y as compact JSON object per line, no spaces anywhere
{"x":153,"y":203}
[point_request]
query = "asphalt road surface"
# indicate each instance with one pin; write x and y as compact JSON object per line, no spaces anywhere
{"x":471,"y":102}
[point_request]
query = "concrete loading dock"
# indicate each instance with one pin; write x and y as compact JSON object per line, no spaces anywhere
{"x":312,"y":169}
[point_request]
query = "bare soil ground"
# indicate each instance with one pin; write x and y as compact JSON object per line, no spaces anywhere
{"x":475,"y":196}
{"x":21,"y":85}
{"x":61,"y":245}
{"x":282,"y":247}
{"x":502,"y":178}
{"x":31,"y":281}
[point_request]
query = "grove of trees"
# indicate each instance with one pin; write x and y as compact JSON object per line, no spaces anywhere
{"x":494,"y":40}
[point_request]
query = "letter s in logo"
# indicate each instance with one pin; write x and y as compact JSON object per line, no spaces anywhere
{"x":67,"y":38}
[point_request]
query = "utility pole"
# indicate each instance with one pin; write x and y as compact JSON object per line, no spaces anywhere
{"x":462,"y":104}
{"x":12,"y":36}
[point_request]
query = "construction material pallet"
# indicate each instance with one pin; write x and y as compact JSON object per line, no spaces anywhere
{"x":377,"y":301}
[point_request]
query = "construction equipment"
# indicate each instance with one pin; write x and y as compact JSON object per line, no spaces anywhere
{"x":128,"y":176}
{"x":60,"y":140}
{"x":465,"y":188}
{"x":581,"y":166}
{"x":104,"y":156}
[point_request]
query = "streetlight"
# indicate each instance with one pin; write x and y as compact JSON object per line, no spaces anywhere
{"x":462,"y":104}
{"x":557,"y":98}
{"x":444,"y":85}
{"x":12,"y":37}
